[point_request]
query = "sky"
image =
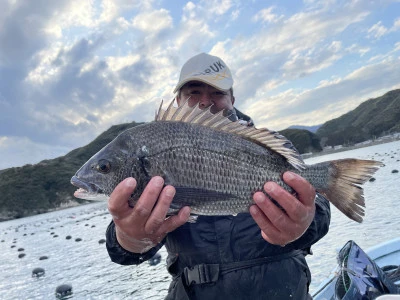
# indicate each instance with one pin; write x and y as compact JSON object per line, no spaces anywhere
{"x":70,"y":69}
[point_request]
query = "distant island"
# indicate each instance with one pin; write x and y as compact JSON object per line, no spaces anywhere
{"x":45,"y":186}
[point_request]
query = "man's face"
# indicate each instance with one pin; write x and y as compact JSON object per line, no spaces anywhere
{"x":205,"y":95}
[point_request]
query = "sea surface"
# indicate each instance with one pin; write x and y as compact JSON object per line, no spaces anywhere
{"x":71,"y":239}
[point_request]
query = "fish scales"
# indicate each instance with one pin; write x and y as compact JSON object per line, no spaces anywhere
{"x":215,"y":164}
{"x":196,"y":157}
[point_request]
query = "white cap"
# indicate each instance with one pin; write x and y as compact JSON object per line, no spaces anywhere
{"x":208,"y":69}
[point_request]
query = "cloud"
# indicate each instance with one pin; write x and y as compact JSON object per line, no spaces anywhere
{"x":355,"y":48}
{"x":329,"y":100}
{"x":223,"y":6}
{"x":396,"y":24}
{"x":266,"y":16}
{"x":377,"y":30}
{"x":153,"y":21}
{"x":311,"y":60}
{"x":295,"y":46}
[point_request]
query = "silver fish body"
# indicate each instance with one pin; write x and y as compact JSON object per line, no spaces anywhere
{"x":215,"y":171}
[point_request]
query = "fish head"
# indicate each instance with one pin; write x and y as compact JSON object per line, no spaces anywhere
{"x":99,"y":176}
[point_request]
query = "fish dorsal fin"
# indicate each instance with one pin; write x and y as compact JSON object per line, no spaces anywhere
{"x":264,"y":137}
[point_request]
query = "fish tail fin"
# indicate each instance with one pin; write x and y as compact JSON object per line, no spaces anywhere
{"x":343,"y":185}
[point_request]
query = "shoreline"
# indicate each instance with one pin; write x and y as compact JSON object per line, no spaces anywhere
{"x":342,"y":149}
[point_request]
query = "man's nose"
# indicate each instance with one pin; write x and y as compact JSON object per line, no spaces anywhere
{"x":204,"y":100}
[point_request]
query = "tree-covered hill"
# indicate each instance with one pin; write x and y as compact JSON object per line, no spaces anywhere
{"x":45,"y":186}
{"x":371,"y":119}
{"x":304,"y":140}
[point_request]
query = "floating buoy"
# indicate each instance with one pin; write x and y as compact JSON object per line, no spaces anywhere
{"x":37,"y":272}
{"x":155,"y":260}
{"x":63,"y":290}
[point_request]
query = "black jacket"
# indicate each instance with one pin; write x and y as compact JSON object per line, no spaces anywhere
{"x":266,"y":271}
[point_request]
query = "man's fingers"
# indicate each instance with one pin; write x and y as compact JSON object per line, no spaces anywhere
{"x":305,"y":191}
{"x":269,"y":232}
{"x":291,"y":205}
{"x":118,"y":203}
{"x":147,"y":200}
{"x":174,"y":222}
{"x":275,"y":214}
{"x":304,"y":209}
{"x":270,"y":214}
{"x":160,"y":211}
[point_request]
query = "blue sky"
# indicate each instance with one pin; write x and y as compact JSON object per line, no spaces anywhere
{"x":70,"y":69}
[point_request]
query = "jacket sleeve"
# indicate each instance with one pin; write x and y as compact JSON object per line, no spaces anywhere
{"x":319,"y":226}
{"x":123,"y":257}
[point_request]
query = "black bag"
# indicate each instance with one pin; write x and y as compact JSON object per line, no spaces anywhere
{"x":360,"y":277}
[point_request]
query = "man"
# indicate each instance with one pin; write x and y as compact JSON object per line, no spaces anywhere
{"x":255,"y":255}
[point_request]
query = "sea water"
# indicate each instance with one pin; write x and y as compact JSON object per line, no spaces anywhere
{"x":72,"y":241}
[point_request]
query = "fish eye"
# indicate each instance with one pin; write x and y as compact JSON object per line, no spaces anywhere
{"x":103,"y":166}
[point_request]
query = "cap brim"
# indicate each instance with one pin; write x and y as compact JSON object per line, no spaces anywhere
{"x":183,"y":82}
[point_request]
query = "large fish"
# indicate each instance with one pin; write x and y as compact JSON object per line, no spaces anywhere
{"x":215,"y":165}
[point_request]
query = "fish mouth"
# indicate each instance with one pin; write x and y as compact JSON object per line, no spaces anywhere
{"x":87,"y":191}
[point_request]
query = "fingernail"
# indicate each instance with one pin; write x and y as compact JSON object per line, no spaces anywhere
{"x":187,"y":211}
{"x":253,"y":210}
{"x":258,"y":198}
{"x":130,"y":182}
{"x":269,"y":187}
{"x":158,"y":181}
{"x":170,"y":192}
{"x":289,"y":175}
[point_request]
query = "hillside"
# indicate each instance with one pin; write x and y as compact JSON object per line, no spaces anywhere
{"x":312,"y":129}
{"x":45,"y":186}
{"x":371,"y":119}
{"x":304,"y":140}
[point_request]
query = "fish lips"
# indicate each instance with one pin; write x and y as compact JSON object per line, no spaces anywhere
{"x":87,"y":191}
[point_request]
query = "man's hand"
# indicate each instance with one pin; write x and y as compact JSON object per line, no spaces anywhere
{"x":140,"y":228}
{"x":282,"y":227}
